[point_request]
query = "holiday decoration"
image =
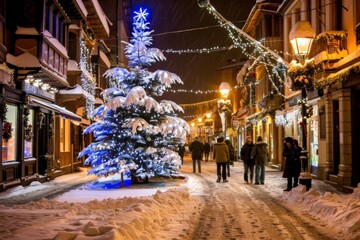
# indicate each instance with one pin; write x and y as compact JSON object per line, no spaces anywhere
{"x":27,"y":126}
{"x":302,"y":75}
{"x":135,"y":134}
{"x":3,"y":110}
{"x":88,"y":82}
{"x":7,"y":131}
{"x":253,"y":49}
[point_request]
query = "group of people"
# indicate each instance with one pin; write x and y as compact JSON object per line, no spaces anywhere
{"x":257,"y":155}
{"x":254,"y":156}
{"x":221,"y":157}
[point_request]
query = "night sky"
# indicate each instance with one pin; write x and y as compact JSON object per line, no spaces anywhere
{"x":197,"y":71}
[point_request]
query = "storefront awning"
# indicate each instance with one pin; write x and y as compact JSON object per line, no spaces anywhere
{"x":53,"y":107}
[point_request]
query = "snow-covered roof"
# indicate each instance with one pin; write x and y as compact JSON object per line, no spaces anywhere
{"x":74,"y":27}
{"x":78,"y":90}
{"x":26,"y":31}
{"x":101,"y":15}
{"x":105,"y":59}
{"x":73,"y":65}
{"x":81,"y":7}
{"x":25,"y":60}
{"x":331,"y":35}
{"x":302,"y":29}
{"x":99,"y":101}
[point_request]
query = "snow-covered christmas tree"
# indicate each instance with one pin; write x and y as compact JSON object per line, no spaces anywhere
{"x":135,"y":134}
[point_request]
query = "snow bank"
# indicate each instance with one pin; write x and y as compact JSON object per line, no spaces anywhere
{"x":341,"y":212}
{"x":121,"y":218}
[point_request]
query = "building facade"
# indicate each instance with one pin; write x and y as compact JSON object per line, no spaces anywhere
{"x":53,"y":55}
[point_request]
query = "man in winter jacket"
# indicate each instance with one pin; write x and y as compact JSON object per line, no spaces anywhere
{"x":196,"y":148}
{"x":221,"y":155}
{"x":260,"y":153}
{"x":249,"y":162}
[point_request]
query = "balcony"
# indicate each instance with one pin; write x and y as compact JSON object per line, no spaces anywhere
{"x":329,"y":47}
{"x":49,"y":56}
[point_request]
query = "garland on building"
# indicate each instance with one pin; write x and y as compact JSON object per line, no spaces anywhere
{"x":302,"y":75}
{"x":87,"y":80}
{"x":27,"y":126}
{"x":339,"y":76}
{"x":3,"y":111}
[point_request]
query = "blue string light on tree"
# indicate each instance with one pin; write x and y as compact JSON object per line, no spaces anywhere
{"x":137,"y":135}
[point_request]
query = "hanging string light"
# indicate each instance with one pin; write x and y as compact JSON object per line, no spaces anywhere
{"x":252,"y":48}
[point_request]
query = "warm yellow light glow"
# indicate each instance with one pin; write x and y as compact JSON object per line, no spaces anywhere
{"x":208,"y":115}
{"x":301,"y":37}
{"x":301,"y":46}
{"x":193,"y":124}
{"x":224,"y":89}
{"x":200,"y":119}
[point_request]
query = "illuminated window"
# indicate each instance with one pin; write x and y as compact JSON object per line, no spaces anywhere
{"x":9,"y":135}
{"x":65,"y":137}
{"x":29,"y":136}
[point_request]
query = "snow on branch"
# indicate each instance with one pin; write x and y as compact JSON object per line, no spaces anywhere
{"x":166,"y":78}
{"x":170,"y":106}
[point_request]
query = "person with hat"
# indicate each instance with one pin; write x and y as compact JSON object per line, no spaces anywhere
{"x":249,"y":162}
{"x":196,"y":148}
{"x":292,"y":160}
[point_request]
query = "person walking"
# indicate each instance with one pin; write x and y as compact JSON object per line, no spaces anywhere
{"x":248,"y":161}
{"x":221,"y":155}
{"x":181,"y":152}
{"x":292,"y":163}
{"x":231,"y":157}
{"x":196,"y":149}
{"x":206,"y":151}
{"x":260,"y":153}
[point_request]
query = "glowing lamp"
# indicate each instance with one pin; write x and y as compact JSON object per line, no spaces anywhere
{"x":224,"y":89}
{"x":301,"y":38}
{"x":199,"y":119}
{"x":193,"y":124}
{"x":208,"y":115}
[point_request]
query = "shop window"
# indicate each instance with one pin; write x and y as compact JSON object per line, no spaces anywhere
{"x":65,"y":137}
{"x":9,"y":136}
{"x":29,"y":135}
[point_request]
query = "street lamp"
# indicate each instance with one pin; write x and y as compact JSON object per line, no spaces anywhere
{"x":301,"y":38}
{"x":224,"y":89}
{"x":224,"y":105}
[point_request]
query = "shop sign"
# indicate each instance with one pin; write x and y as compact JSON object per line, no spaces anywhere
{"x":34,"y":90}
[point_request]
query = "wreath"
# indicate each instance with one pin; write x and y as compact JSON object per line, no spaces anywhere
{"x":7,"y":131}
{"x":28,"y":133}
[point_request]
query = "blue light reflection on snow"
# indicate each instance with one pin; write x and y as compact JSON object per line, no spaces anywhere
{"x":112,"y":182}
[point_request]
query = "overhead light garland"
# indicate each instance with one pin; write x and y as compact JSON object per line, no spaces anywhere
{"x":252,"y":48}
{"x":199,"y":50}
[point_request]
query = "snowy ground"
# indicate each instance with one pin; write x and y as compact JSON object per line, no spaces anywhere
{"x":194,"y":208}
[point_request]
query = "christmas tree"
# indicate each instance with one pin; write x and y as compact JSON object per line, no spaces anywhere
{"x":135,"y":134}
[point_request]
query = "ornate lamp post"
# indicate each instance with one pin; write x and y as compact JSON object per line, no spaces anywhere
{"x":224,"y":105}
{"x":301,"y":38}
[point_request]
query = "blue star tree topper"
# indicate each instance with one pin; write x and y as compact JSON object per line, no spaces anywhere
{"x":134,"y":133}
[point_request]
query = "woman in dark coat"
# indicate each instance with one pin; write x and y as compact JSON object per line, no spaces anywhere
{"x":292,"y":163}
